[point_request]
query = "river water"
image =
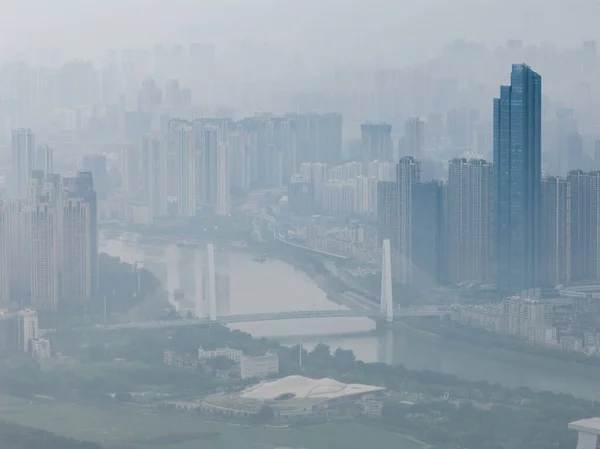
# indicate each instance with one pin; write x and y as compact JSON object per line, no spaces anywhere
{"x":274,"y":286}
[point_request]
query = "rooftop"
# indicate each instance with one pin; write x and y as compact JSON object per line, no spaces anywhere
{"x":588,"y":425}
{"x":299,"y":387}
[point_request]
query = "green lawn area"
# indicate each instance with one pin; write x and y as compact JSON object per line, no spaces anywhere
{"x":120,"y":428}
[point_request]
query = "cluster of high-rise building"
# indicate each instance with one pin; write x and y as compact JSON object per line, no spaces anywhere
{"x":496,"y":222}
{"x":198,"y":164}
{"x":48,"y":231}
{"x":485,"y":223}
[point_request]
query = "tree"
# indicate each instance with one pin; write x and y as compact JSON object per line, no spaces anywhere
{"x":264,"y":415}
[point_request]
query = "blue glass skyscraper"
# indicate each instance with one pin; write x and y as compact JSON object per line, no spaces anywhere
{"x":517,"y":181}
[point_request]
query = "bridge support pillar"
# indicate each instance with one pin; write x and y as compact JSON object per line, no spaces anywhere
{"x":383,"y":325}
{"x":210,"y":287}
{"x":386,"y":301}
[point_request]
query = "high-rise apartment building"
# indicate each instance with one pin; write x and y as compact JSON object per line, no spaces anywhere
{"x":154,"y":175}
{"x":595,"y":224}
{"x":185,"y":170}
{"x":580,"y":224}
{"x":408,"y":173}
{"x":96,"y":165}
{"x":556,"y":232}
{"x":209,"y":175}
{"x":4,"y":253}
{"x":76,"y":251}
{"x":318,"y":137}
{"x":82,"y":187}
{"x":395,"y":216}
{"x":413,"y":141}
{"x":27,"y":329}
{"x":44,"y":256}
{"x":469,"y":220}
{"x":517,"y":181}
{"x":376,"y":142}
{"x":238,"y":161}
{"x":316,"y":174}
{"x":44,"y":159}
{"x":20,"y":266}
{"x":23,"y":160}
{"x":567,"y":143}
{"x":222,"y":205}
{"x":429,"y":238}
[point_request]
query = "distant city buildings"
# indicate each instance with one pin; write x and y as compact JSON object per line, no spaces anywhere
{"x":23,"y":160}
{"x":469,"y":203}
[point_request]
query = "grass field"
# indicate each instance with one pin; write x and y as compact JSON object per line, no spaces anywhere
{"x":120,"y":428}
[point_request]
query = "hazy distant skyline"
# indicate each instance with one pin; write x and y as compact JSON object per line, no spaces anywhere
{"x":327,"y":29}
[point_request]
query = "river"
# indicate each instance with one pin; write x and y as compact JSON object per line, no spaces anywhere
{"x":274,"y":286}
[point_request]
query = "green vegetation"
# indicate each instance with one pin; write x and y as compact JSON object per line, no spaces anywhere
{"x":19,"y":437}
{"x":120,"y":427}
{"x":449,"y":412}
{"x":118,"y":284}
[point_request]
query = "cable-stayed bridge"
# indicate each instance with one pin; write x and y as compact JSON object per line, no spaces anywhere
{"x":385,"y":313}
{"x":276,"y":316}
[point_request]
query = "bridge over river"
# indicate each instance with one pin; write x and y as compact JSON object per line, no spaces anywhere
{"x":297,"y":315}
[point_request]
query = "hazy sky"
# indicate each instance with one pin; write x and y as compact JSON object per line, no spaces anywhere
{"x":412,"y":27}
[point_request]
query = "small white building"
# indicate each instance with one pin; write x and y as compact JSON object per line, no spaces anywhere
{"x":588,"y":431}
{"x":40,"y":349}
{"x":230,"y":353}
{"x":261,"y":366}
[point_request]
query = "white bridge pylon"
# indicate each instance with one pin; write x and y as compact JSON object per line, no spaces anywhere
{"x":386,"y":302}
{"x":210,"y":286}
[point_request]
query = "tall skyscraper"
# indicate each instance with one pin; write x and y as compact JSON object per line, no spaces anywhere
{"x":185,"y":171}
{"x":556,"y":227}
{"x":82,"y":188}
{"x":154,"y":175}
{"x":23,"y":160}
{"x":238,"y":161}
{"x":27,"y":329}
{"x":4,"y":253}
{"x":44,"y":256}
{"x":20,"y":227}
{"x":76,"y":267}
{"x":469,"y":220}
{"x":387,"y":218}
{"x":413,"y":141}
{"x":429,"y":232}
{"x":568,"y":145}
{"x":318,"y":137}
{"x":222,"y":206}
{"x":96,"y":165}
{"x":44,"y":159}
{"x":408,"y":173}
{"x":376,"y":142}
{"x":210,"y":144}
{"x":517,"y":181}
{"x":580,"y":224}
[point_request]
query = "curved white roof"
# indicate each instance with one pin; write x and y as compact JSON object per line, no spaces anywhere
{"x":305,"y":388}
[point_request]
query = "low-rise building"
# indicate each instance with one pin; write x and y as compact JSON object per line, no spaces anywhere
{"x":261,"y":366}
{"x":230,"y":353}
{"x":40,"y":349}
{"x":489,"y":318}
{"x":570,"y":343}
{"x":542,"y":334}
{"x":177,"y":360}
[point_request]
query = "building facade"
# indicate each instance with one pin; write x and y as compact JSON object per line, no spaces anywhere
{"x":517,"y":181}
